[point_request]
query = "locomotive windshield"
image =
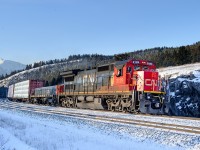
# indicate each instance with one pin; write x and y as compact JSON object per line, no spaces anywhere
{"x":129,"y":69}
{"x":136,"y":68}
{"x":145,"y":68}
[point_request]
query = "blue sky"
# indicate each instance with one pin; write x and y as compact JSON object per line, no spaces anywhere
{"x":33,"y":30}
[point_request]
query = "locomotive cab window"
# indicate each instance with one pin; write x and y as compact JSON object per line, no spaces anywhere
{"x":103,"y":68}
{"x":145,"y":68}
{"x":129,"y":69}
{"x":119,"y":72}
{"x":136,"y":68}
{"x":69,"y":78}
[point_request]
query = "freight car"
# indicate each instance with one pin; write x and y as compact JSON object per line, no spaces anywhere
{"x":3,"y":92}
{"x":44,"y":95}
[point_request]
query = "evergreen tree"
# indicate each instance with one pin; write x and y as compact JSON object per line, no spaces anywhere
{"x":46,"y":83}
{"x":198,"y":54}
{"x":184,"y":55}
{"x":53,"y":81}
{"x":59,"y":80}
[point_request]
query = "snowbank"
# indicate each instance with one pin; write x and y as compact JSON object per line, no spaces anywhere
{"x":176,"y":71}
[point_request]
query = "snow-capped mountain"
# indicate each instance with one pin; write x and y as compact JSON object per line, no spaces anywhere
{"x":7,"y":66}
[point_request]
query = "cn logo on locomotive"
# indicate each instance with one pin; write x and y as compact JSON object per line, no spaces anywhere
{"x":151,"y":82}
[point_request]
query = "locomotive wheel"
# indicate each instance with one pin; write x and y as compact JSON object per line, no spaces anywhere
{"x":124,"y":110}
{"x":63,"y":104}
{"x":120,"y":108}
{"x":113,"y":109}
{"x":68,"y":105}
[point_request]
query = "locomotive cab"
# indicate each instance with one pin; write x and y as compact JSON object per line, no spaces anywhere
{"x":126,"y":72}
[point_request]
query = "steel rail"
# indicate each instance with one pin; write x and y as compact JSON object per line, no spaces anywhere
{"x":141,"y":123}
{"x":139,"y":114}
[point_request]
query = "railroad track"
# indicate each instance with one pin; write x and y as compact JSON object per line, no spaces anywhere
{"x":141,"y":123}
{"x":146,"y":115}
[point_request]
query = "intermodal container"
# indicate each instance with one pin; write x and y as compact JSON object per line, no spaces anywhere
{"x":26,"y":88}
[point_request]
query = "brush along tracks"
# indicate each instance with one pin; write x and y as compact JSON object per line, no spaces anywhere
{"x":139,"y":123}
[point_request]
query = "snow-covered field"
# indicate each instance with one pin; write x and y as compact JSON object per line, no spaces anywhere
{"x":25,"y":130}
{"x":175,"y":71}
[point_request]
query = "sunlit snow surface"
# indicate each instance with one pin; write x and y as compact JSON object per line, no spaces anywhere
{"x":25,"y":130}
{"x":176,"y":71}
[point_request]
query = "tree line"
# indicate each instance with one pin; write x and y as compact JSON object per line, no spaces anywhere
{"x":166,"y":56}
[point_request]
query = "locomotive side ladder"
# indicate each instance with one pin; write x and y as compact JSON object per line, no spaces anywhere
{"x":135,"y":100}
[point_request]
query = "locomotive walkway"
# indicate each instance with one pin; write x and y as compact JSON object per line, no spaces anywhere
{"x":170,"y":127}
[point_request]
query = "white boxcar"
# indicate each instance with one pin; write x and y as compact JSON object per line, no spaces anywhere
{"x":23,"y":90}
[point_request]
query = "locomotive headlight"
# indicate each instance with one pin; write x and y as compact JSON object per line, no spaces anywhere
{"x":157,"y":105}
{"x":149,"y":96}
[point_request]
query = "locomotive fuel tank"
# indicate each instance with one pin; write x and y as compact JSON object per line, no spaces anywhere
{"x":89,"y":102}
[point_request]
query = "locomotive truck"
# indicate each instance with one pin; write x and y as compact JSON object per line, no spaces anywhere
{"x":128,"y":86}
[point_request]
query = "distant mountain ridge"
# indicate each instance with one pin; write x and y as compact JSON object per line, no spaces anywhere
{"x":7,"y":66}
{"x":50,"y":71}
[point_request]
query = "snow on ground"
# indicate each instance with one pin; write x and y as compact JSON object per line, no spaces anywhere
{"x":25,"y":130}
{"x":195,"y":123}
{"x":173,"y":72}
